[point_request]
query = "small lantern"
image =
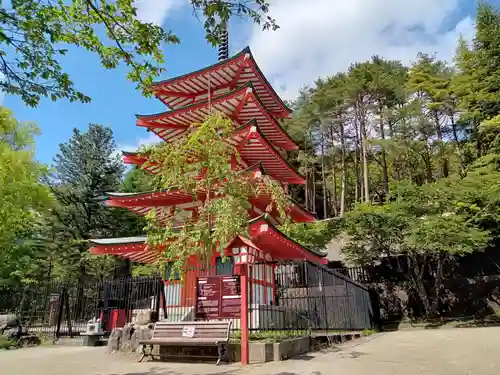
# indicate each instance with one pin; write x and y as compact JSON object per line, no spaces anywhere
{"x":244,"y":255}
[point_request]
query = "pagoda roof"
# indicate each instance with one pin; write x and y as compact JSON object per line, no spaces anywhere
{"x":253,"y":147}
{"x":263,"y":235}
{"x":256,"y":148}
{"x":141,"y":203}
{"x":228,"y":74}
{"x":133,"y":248}
{"x":241,"y":105}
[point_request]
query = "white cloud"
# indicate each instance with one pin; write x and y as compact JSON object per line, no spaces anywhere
{"x":321,"y":37}
{"x":155,"y":11}
{"x":151,"y":139}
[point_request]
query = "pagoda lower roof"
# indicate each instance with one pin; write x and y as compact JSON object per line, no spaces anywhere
{"x":241,"y":105}
{"x":253,"y":147}
{"x":142,"y":203}
{"x":239,"y":69}
{"x":264,"y":236}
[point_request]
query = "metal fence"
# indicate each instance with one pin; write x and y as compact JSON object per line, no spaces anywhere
{"x":291,"y":296}
{"x":313,"y":297}
{"x":282,"y":297}
{"x":58,"y":309}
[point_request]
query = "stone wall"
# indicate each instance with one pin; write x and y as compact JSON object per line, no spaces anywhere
{"x":127,"y":339}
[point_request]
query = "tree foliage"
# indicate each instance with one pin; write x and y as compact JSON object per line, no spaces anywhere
{"x":23,"y":198}
{"x":407,"y":157}
{"x":35,"y":35}
{"x":86,"y":167}
{"x":200,"y":165}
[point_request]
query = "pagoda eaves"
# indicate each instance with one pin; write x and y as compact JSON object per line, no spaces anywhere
{"x":142,"y":203}
{"x":226,"y":75}
{"x":241,"y":105}
{"x":253,"y":147}
{"x":264,"y":235}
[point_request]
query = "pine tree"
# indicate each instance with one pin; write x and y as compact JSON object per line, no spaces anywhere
{"x":86,"y":167}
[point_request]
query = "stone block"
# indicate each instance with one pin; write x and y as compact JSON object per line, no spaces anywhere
{"x":143,"y":317}
{"x":8,"y":320}
{"x":266,"y":352}
{"x":114,"y":340}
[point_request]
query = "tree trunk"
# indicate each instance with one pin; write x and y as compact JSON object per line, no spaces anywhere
{"x":417,"y":280}
{"x":445,"y":167}
{"x":325,"y":198}
{"x":479,"y":145}
{"x":342,"y":170}
{"x":457,"y":141}
{"x":313,"y":189}
{"x":358,"y":191}
{"x":306,"y":186}
{"x":364,"y":151}
{"x":385,"y":174}
{"x":334,"y":200}
{"x":438,"y":285}
{"x":428,"y":166}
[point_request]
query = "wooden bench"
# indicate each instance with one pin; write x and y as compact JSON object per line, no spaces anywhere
{"x":202,"y":333}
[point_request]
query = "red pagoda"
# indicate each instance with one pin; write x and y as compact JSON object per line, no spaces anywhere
{"x":237,"y":88}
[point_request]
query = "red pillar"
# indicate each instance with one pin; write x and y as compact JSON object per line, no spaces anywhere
{"x":244,"y":314}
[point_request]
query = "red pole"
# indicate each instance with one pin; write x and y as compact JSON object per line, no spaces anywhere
{"x":244,"y":314}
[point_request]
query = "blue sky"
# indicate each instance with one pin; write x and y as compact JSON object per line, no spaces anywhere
{"x":317,"y":37}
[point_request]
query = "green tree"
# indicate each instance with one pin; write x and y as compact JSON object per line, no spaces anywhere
{"x":315,"y":235}
{"x":137,"y":180}
{"x":86,"y":167}
{"x":424,"y":228}
{"x":479,"y":72}
{"x":23,"y":198}
{"x":35,"y":35}
{"x":198,"y":164}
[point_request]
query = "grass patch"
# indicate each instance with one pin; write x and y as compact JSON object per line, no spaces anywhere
{"x":368,"y":332}
{"x":5,"y":343}
{"x":270,"y":336}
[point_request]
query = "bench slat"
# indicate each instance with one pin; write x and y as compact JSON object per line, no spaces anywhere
{"x":207,"y":341}
{"x":220,"y":337}
{"x":203,"y":330}
{"x":200,"y":323}
{"x":195,"y":328}
{"x":205,"y":334}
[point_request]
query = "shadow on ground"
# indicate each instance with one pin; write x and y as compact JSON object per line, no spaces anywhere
{"x":160,"y":371}
{"x":229,"y":372}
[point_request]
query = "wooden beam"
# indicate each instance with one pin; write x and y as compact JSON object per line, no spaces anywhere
{"x":187,"y":95}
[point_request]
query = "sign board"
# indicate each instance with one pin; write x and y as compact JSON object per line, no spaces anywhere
{"x":188,"y":331}
{"x":218,"y":297}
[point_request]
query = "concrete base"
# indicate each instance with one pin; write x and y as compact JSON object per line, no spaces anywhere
{"x":91,"y":340}
{"x":267,"y":352}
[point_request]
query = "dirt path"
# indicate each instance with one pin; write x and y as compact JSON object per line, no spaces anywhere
{"x":438,"y":352}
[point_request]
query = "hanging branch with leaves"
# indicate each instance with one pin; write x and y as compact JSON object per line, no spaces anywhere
{"x":200,"y":164}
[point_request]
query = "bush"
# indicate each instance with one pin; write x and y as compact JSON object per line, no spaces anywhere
{"x":5,"y":343}
{"x":270,"y":336}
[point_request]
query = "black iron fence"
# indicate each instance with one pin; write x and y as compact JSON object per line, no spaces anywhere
{"x":58,"y":309}
{"x":313,"y":297}
{"x":281,"y":296}
{"x":291,"y":296}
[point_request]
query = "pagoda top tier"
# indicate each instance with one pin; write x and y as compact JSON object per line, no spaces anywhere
{"x":218,"y":79}
{"x":241,"y":105}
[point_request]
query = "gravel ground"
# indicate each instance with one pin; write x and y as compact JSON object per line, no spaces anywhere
{"x":438,"y":352}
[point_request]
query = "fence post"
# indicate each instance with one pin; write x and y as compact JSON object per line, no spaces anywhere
{"x":62,"y":295}
{"x":323,"y":298}
{"x":244,"y":314}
